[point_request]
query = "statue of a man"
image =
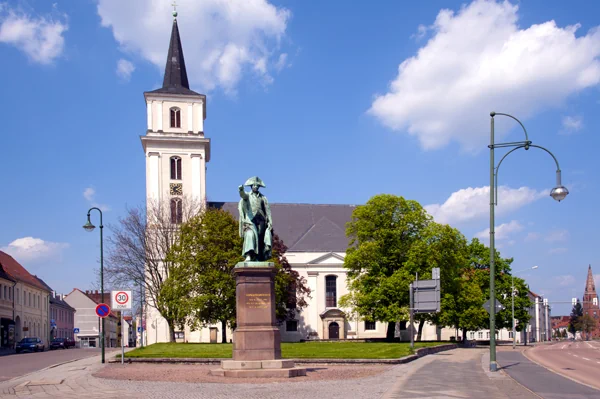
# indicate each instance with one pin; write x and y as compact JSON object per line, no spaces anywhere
{"x":256,"y":225}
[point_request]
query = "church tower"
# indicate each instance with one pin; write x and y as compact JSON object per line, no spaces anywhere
{"x":590,"y":301}
{"x":175,"y":146}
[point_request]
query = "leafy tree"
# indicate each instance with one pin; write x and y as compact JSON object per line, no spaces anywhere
{"x":576,"y":313}
{"x":381,"y":235}
{"x":137,"y":249}
{"x":586,"y":324}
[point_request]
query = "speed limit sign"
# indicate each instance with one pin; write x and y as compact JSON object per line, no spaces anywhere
{"x":121,"y":299}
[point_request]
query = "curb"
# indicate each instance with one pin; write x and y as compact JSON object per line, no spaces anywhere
{"x":406,"y":359}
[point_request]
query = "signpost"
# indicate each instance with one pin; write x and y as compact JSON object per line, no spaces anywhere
{"x":424,"y":298}
{"x":76,"y":330}
{"x":121,"y":300}
{"x":102,"y":310}
{"x":499,"y":307}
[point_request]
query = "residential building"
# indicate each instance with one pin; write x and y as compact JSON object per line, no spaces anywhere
{"x":30,"y":301}
{"x":590,"y":303}
{"x":130,"y":334}
{"x":88,"y":322}
{"x":7,"y":323}
{"x":62,"y":317}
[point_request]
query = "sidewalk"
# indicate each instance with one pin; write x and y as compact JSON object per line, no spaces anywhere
{"x":456,"y":373}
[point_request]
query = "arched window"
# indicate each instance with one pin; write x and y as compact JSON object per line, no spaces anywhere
{"x":176,"y":211}
{"x":175,"y":117}
{"x":330,"y":291}
{"x":175,"y":168}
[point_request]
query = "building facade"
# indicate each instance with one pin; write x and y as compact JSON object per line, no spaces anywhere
{"x":31,"y":301}
{"x":7,"y":322}
{"x":590,"y":303}
{"x":88,"y":323}
{"x":62,"y":317}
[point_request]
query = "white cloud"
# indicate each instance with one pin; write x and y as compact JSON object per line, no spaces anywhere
{"x":565,"y":280}
{"x":478,"y":61}
{"x":557,"y":235}
{"x":532,"y":236}
{"x":473,"y":203}
{"x":90,"y":195}
{"x":558,"y":250}
{"x":40,"y":38}
{"x":125,"y":69}
{"x":571,"y":124}
{"x":222,"y":40}
{"x":421,"y":32}
{"x":502,"y":232}
{"x":30,"y":249}
{"x":281,"y":62}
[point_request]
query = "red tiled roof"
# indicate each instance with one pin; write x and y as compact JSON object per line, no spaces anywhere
{"x":18,"y":272}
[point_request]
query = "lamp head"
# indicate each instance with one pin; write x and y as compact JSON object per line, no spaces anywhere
{"x":559,"y":193}
{"x":89,"y":226}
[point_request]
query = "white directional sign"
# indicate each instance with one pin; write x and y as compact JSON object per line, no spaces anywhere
{"x":121,"y":300}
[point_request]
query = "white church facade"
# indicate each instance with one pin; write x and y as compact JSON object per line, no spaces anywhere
{"x":177,"y":151}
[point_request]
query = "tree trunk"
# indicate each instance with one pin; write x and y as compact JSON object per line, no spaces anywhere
{"x":420,"y":332}
{"x":224,"y":331}
{"x":171,"y":331}
{"x":464,"y":335}
{"x":391,"y":329}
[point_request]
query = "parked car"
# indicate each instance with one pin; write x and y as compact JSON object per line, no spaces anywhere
{"x":61,"y":343}
{"x":31,"y":344}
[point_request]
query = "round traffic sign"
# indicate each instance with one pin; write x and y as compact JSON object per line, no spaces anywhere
{"x":121,"y":297}
{"x":102,"y":310}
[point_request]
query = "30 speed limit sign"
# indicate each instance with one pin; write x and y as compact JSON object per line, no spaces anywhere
{"x":121,"y":300}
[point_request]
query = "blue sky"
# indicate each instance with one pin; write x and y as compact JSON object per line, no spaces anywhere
{"x":341,"y":100}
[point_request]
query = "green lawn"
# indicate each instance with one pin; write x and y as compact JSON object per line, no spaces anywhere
{"x":300,"y":350}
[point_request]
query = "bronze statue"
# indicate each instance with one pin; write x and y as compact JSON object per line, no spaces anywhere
{"x":256,"y":225}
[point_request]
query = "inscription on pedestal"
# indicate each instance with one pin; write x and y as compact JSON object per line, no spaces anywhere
{"x":258,"y":301}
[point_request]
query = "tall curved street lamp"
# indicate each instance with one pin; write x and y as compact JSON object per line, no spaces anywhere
{"x":512,"y":286}
{"x":558,"y":193}
{"x":90,"y":227}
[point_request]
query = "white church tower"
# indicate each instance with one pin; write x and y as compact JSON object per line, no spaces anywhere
{"x":175,"y":147}
{"x":176,"y":153}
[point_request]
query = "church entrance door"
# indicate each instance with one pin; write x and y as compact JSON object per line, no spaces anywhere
{"x":334,"y":330}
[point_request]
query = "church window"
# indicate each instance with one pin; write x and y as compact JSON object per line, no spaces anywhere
{"x":176,"y":211}
{"x":175,"y":168}
{"x":291,"y":325}
{"x":369,"y":325}
{"x":175,"y":117}
{"x":330,"y":291}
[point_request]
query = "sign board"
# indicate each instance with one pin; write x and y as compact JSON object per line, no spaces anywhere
{"x":102,"y":310}
{"x":139,"y":329}
{"x":121,"y":299}
{"x":499,"y":307}
{"x":426,"y":296}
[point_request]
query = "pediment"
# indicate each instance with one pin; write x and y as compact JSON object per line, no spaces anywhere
{"x":329,"y":258}
{"x":332,"y":313}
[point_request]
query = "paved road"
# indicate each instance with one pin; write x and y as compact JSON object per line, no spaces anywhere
{"x":16,"y":365}
{"x":540,"y":380}
{"x":578,"y":360}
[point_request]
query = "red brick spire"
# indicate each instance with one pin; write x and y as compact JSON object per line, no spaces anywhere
{"x":590,"y":287}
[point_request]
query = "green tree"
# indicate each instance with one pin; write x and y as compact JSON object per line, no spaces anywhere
{"x":576,"y":313}
{"x":381,"y":235}
{"x":586,"y":324}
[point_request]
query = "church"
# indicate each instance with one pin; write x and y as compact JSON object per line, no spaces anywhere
{"x":177,"y":149}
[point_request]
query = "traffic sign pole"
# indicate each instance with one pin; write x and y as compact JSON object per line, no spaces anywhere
{"x":122,"y":340}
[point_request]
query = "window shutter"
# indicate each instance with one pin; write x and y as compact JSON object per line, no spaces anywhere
{"x":178,"y":119}
{"x":178,"y":162}
{"x":173,"y":212}
{"x":179,"y":212}
{"x":172,"y":117}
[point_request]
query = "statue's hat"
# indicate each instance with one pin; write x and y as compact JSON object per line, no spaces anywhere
{"x":255,"y":180}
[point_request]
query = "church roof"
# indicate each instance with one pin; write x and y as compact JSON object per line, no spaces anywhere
{"x":175,"y":80}
{"x":306,"y":227}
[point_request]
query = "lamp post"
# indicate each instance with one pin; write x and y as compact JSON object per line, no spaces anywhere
{"x":90,"y":227}
{"x":558,"y":193}
{"x":512,"y":285}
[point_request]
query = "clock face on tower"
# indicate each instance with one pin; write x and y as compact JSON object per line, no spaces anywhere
{"x":176,"y":189}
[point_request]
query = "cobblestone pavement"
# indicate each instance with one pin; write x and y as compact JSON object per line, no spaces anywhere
{"x":457,"y":373}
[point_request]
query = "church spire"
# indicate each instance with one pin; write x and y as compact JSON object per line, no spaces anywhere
{"x":590,"y":287}
{"x":175,"y":72}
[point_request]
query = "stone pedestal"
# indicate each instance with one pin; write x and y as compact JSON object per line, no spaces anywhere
{"x":256,"y":340}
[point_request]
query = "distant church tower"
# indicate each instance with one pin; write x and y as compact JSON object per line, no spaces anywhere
{"x":175,"y":147}
{"x":590,"y":301}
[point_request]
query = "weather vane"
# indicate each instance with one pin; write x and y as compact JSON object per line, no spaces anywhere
{"x":174,"y":8}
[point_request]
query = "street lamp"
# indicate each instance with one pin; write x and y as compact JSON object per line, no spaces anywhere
{"x":513,"y":301}
{"x":558,"y":193}
{"x":90,"y":227}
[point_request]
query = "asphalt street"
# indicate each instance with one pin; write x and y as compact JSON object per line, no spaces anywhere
{"x":16,"y":365}
{"x":546,"y":383}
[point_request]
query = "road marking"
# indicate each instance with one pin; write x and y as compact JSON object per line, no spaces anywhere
{"x":590,"y":345}
{"x":563,"y":347}
{"x":585,"y":358}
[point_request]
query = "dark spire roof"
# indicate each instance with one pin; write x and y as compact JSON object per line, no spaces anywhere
{"x":590,"y":287}
{"x":175,"y":80}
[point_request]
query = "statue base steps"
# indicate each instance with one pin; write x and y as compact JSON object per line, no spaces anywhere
{"x":259,"y":369}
